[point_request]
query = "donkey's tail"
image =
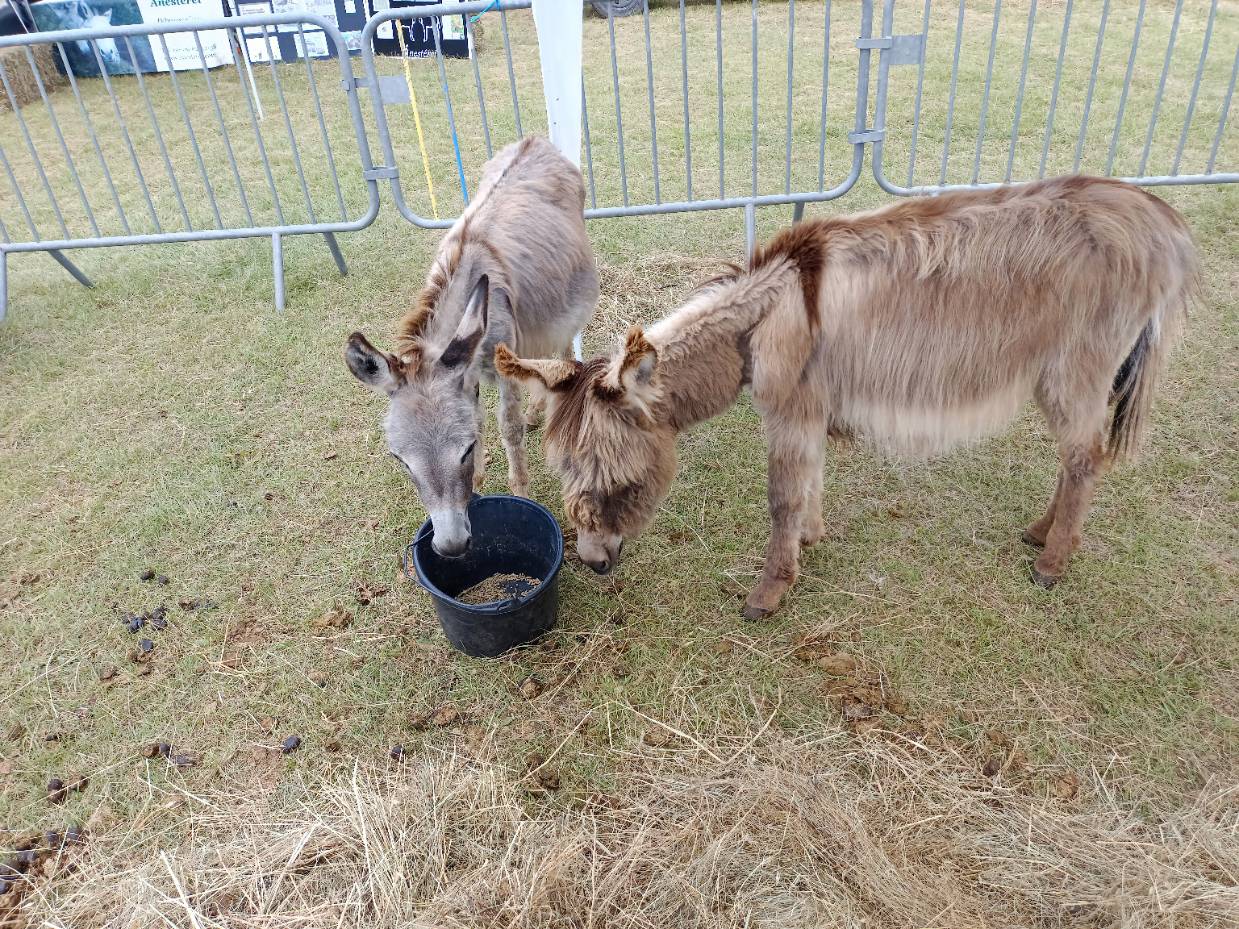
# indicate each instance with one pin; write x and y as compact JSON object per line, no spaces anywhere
{"x":1131,"y":395}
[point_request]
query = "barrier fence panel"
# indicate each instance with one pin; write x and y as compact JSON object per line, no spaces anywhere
{"x":1013,"y":91}
{"x":230,"y":146}
{"x":737,"y":105}
{"x":686,"y":106}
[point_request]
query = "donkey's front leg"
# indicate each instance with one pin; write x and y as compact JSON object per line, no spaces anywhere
{"x":512,"y":427}
{"x":792,"y":454}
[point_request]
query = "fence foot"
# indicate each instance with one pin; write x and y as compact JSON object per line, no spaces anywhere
{"x":750,"y":228}
{"x":70,"y":267}
{"x":797,"y":212}
{"x":277,"y":268}
{"x":4,"y":284}
{"x":334,"y":246}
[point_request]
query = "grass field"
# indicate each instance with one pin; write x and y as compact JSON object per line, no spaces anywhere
{"x":1034,"y":758}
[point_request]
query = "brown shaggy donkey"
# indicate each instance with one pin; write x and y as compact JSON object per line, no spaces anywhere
{"x":917,"y":326}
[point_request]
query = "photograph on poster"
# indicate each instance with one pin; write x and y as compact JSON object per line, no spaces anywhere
{"x":113,"y":55}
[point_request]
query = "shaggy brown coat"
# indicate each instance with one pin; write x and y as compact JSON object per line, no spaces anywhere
{"x":916,"y":327}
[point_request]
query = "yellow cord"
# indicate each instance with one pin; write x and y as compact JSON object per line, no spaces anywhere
{"x":417,"y":119}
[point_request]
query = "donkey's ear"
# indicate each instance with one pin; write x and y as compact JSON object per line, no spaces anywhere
{"x":631,"y":373}
{"x":377,"y":370}
{"x":460,"y":351}
{"x":545,"y":373}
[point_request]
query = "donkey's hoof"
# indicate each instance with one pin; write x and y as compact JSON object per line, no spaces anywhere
{"x":1045,"y":581}
{"x":754,"y":613}
{"x":1029,"y":539}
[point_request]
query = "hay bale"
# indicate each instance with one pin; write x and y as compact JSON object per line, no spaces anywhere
{"x":21,"y":77}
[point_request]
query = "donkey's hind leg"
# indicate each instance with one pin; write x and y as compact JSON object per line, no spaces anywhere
{"x":1036,"y":533}
{"x":793,"y":450}
{"x":512,"y":428}
{"x":1082,"y":465}
{"x":1076,"y":409}
{"x":812,"y":527}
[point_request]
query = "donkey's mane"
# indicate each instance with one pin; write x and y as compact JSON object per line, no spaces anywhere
{"x":568,"y":414}
{"x":413,"y":323}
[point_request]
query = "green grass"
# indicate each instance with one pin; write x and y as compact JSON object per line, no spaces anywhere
{"x":170,"y":419}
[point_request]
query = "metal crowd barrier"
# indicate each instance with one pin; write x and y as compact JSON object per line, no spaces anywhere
{"x":694,"y":106}
{"x":243,"y":161}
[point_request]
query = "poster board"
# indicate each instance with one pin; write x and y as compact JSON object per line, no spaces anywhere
{"x":293,"y":41}
{"x":290,"y":43}
{"x":419,"y":39}
{"x":143,"y":54}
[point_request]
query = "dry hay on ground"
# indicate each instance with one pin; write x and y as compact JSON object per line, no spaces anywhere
{"x":22,"y":80}
{"x":756,"y":831}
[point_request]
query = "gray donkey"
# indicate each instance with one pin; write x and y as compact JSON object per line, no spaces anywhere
{"x":516,"y":268}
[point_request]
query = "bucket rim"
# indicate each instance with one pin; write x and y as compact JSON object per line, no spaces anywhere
{"x":499,"y":606}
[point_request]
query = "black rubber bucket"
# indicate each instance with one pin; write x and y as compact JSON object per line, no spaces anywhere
{"x":511,"y":535}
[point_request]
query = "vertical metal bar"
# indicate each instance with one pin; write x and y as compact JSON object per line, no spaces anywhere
{"x":69,"y":266}
{"x":797,"y":211}
{"x":791,"y":44}
{"x":4,"y":233}
{"x":920,"y":86}
{"x":334,"y":247}
{"x":4,"y":284}
{"x":189,"y":127}
{"x":1191,"y":103}
{"x":649,"y":86}
{"x":447,"y":100}
{"x":507,"y":51}
{"x":589,"y":152}
{"x":1161,"y":86}
{"x":477,"y":82}
{"x":277,"y":270}
{"x":21,"y":200}
{"x":322,"y":124}
{"x":1131,"y":67}
{"x":950,"y":102}
{"x":718,"y":57}
{"x":619,"y":119}
{"x":879,"y":103}
{"x":1019,"y":96}
{"x":252,"y":101}
{"x":94,"y":139}
{"x":1092,"y":83}
{"x":754,"y":133}
{"x":64,"y":147}
{"x":223,"y":128}
{"x":288,"y":123}
{"x":34,"y":153}
{"x":989,"y":73}
{"x":750,"y":229}
{"x":124,"y":131}
{"x":163,"y":148}
{"x":821,"y":139}
{"x":688,"y":137}
{"x":1221,"y":123}
{"x":1058,"y":79}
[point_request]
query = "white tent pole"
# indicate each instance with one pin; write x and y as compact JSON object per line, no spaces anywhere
{"x":559,"y":24}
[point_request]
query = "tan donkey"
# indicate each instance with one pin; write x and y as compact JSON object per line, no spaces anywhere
{"x":517,"y":267}
{"x":917,"y":327}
